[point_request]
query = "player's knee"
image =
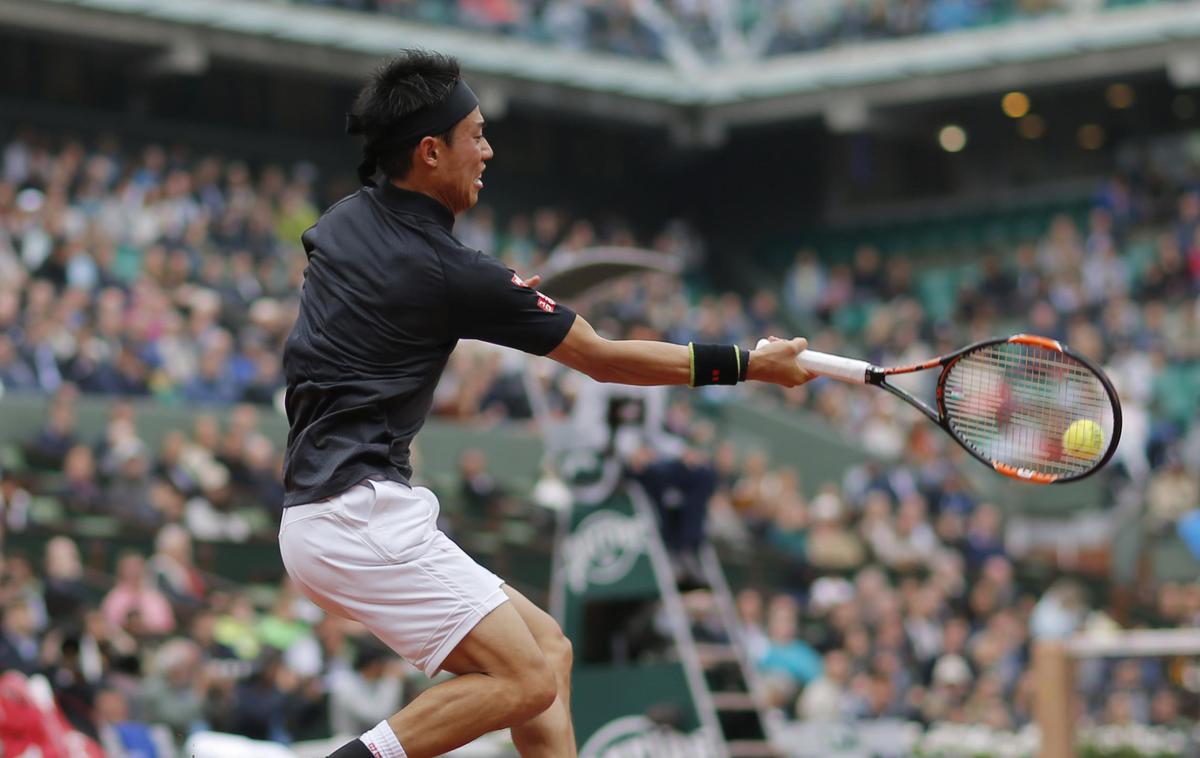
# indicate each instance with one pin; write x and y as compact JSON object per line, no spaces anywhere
{"x":559,"y":652}
{"x":536,"y":692}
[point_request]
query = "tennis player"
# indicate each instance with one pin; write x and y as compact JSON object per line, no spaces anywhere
{"x":387,"y":294}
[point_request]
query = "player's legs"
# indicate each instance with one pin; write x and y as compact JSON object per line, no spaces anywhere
{"x":503,"y":680}
{"x":374,"y":554}
{"x":551,"y":732}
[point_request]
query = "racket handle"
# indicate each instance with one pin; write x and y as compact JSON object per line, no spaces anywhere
{"x":833,"y":366}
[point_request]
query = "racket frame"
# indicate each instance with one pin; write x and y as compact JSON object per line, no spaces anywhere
{"x":878,"y":377}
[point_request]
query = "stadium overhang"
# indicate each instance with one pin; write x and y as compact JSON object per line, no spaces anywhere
{"x":697,"y":103}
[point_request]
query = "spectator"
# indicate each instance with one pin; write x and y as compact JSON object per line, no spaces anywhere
{"x":832,"y":546}
{"x":680,"y":489}
{"x":19,"y":648}
{"x":359,"y":699}
{"x":174,"y":573}
{"x":983,"y":538}
{"x":790,"y":661}
{"x":80,"y":491}
{"x":480,"y":490}
{"x":15,"y":502}
{"x":1165,"y":710}
{"x":20,"y":582}
{"x":1172,"y":492}
{"x":15,"y":374}
{"x":750,"y":614}
{"x":281,"y":628}
{"x":65,"y":593}
{"x":50,"y":447}
{"x":176,"y":692}
{"x":119,"y":735}
{"x":135,"y":593}
{"x":257,"y":708}
{"x":237,"y":628}
{"x":907,"y":543}
{"x":1059,"y":612}
{"x":826,"y":697}
{"x":128,"y":495}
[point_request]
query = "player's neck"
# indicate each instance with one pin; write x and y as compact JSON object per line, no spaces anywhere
{"x":423,"y":188}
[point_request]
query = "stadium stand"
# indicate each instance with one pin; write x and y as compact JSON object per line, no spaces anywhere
{"x":146,"y":288}
{"x":890,"y":594}
{"x":641,"y":30}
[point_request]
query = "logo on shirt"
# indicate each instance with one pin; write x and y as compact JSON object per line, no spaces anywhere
{"x":545,"y":303}
{"x":518,"y":280}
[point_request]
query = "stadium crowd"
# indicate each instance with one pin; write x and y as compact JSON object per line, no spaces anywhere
{"x":166,"y":650}
{"x":171,"y":276}
{"x":769,"y":28}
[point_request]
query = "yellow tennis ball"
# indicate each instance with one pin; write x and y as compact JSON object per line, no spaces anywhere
{"x":1083,"y":439}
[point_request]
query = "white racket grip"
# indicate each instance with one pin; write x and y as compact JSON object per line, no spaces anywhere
{"x":833,"y":366}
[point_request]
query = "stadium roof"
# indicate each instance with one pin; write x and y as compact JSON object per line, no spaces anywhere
{"x":698,"y":101}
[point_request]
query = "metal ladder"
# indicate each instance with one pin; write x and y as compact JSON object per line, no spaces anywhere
{"x":724,"y":684}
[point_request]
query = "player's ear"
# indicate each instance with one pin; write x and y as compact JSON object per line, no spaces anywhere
{"x":427,"y":151}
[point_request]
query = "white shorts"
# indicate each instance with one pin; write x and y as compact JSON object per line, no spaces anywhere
{"x":374,"y":554}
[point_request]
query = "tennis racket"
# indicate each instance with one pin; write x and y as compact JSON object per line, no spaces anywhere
{"x":1024,"y":405}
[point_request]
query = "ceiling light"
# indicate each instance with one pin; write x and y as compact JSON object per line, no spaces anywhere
{"x":952,"y":138}
{"x":1015,"y":104}
{"x":1032,"y":126}
{"x":1119,"y":96}
{"x":1090,"y":136}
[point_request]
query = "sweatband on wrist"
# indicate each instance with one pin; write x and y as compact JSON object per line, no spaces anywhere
{"x":714,"y":364}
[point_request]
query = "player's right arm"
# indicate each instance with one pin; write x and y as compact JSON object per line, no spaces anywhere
{"x":644,"y":362}
{"x":492,"y":303}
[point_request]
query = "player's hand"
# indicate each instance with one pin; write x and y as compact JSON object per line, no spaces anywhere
{"x":776,"y":363}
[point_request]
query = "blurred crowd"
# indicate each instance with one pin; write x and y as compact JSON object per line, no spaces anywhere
{"x":611,"y":26}
{"x":175,"y":276}
{"x":140,"y":660}
{"x":155,"y":274}
{"x":948,"y":646}
{"x":798,"y":25}
{"x":221,"y":483}
{"x":716,"y":29}
{"x":160,"y":273}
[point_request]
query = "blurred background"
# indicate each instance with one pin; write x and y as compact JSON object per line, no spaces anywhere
{"x":890,"y":178}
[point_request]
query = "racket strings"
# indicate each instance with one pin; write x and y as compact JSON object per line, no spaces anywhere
{"x":1012,"y":403}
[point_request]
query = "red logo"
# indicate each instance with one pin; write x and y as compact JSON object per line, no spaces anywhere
{"x":518,"y":280}
{"x":374,"y":750}
{"x":545,"y":303}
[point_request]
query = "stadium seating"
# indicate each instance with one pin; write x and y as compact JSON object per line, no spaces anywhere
{"x":837,"y":508}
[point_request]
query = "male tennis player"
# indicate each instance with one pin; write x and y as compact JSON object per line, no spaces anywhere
{"x":387,"y":294}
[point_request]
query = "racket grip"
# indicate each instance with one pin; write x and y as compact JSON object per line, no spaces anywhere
{"x":833,"y":366}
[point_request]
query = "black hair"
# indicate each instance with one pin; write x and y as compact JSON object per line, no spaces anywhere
{"x":401,"y":86}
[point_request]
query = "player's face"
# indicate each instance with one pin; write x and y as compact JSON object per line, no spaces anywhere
{"x":463,"y":163}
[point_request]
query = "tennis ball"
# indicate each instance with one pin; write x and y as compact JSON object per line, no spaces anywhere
{"x":1083,"y":439}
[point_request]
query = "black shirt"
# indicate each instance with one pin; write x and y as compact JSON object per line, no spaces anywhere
{"x":388,"y":292}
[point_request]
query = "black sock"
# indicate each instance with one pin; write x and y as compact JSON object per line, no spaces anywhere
{"x":353,"y":749}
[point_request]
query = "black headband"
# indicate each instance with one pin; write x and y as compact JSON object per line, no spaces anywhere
{"x":430,"y":120}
